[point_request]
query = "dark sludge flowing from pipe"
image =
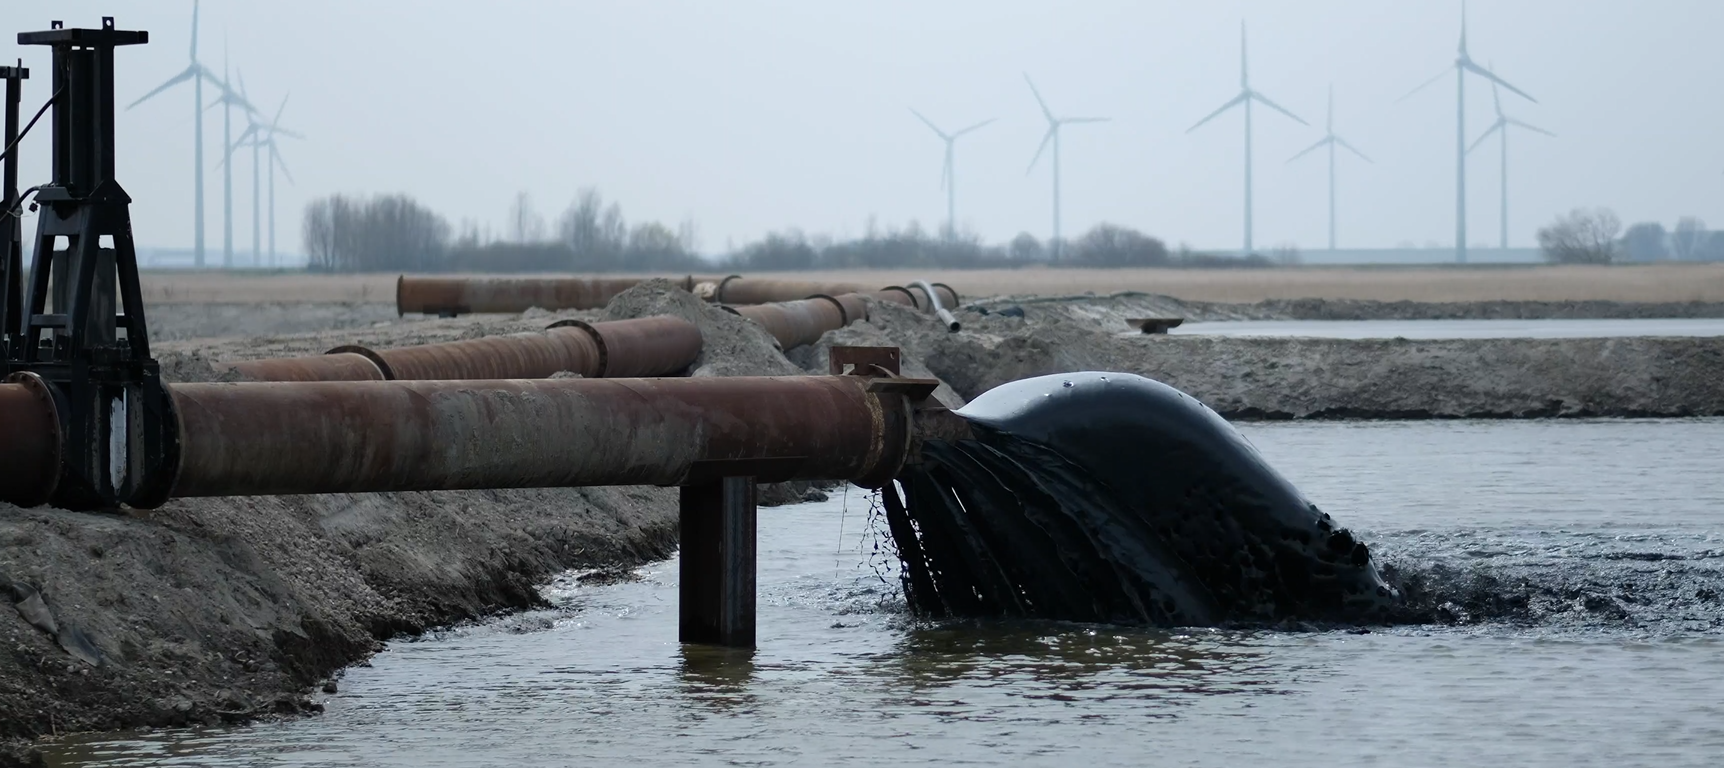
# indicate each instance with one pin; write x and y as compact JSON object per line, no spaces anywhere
{"x":1109,"y":497}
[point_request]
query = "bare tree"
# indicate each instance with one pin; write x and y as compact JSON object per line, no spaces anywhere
{"x":1581,"y":237}
{"x":1645,"y":242}
{"x":525,"y":223}
{"x":1688,"y":237}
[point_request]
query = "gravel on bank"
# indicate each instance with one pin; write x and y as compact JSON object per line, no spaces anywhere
{"x":1138,"y":304}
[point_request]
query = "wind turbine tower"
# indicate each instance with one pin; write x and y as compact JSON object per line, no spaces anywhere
{"x":1053,"y":135}
{"x":1331,"y":141}
{"x":948,"y":177}
{"x":259,"y":135}
{"x":197,"y":73}
{"x":1500,"y":127}
{"x":1245,"y":97}
{"x":1463,"y":64}
{"x":228,"y":99}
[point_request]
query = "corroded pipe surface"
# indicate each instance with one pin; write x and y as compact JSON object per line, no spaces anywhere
{"x":647,"y":346}
{"x":30,"y":445}
{"x":796,"y":323}
{"x":347,"y":437}
{"x":466,"y":295}
{"x":745,"y":290}
{"x":534,"y":355}
{"x":335,"y":366}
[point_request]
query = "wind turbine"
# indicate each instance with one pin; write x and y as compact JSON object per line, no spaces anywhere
{"x":948,"y":178}
{"x":1331,"y":141}
{"x":197,"y":73}
{"x":1501,"y":127}
{"x":1053,"y":135}
{"x":228,"y":99}
{"x":1245,"y":97}
{"x":1463,"y":64}
{"x":259,"y":135}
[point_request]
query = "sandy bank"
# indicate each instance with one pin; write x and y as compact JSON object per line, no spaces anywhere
{"x":1333,"y":378}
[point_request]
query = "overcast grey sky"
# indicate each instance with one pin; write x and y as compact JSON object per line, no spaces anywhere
{"x":754,"y":115}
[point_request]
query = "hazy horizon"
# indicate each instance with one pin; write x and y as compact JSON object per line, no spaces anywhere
{"x":758,"y":116}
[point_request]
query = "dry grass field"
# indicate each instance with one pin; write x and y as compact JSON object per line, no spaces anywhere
{"x":1640,"y":283}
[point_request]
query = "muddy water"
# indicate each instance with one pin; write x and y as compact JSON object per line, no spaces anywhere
{"x":1584,"y":560}
{"x":1459,"y":329}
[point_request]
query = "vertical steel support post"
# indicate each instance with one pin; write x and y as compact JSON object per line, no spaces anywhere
{"x":11,"y":230}
{"x":717,"y":571}
{"x":116,"y":420}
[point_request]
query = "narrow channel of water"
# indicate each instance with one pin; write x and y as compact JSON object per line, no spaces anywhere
{"x":1459,"y":329}
{"x":1585,"y":560}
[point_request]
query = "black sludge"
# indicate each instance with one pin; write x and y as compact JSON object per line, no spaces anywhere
{"x":1114,"y":498}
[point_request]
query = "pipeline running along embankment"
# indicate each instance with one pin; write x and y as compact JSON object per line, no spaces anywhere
{"x":453,"y":296}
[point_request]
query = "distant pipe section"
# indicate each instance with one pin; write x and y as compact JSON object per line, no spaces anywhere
{"x":452,"y":296}
{"x":798,"y":323}
{"x":940,"y":311}
{"x":745,"y":290}
{"x":353,"y":437}
{"x":648,"y":346}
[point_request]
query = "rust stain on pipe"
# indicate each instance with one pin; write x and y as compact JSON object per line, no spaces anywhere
{"x":30,"y":447}
{"x":467,"y":295}
{"x":795,"y":323}
{"x":742,"y":290}
{"x":341,"y":364}
{"x":348,"y":437}
{"x":647,"y":346}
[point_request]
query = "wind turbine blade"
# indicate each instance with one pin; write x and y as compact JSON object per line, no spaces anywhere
{"x":1277,"y":107}
{"x":1468,"y":65}
{"x":930,"y":123}
{"x":280,"y":163}
{"x":274,"y":131}
{"x":1426,"y":84}
{"x":1244,"y":66}
{"x":172,"y":81}
{"x":1231,"y":103}
{"x":1528,"y":126}
{"x":974,"y":127}
{"x":278,"y":110}
{"x":1329,"y":121}
{"x":1047,"y":137}
{"x":1085,"y":119}
{"x":1496,"y":126}
{"x":1354,"y":150}
{"x":1497,"y":95}
{"x":194,"y":31}
{"x":1313,"y":148}
{"x":1038,"y":94}
{"x":250,"y":130}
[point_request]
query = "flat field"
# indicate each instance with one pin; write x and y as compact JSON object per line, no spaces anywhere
{"x":1638,"y":283}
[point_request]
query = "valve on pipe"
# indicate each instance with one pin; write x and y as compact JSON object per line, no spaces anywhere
{"x":80,"y":331}
{"x":648,"y":346}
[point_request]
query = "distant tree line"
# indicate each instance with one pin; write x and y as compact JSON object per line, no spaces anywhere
{"x":1591,"y":236}
{"x":396,"y":233}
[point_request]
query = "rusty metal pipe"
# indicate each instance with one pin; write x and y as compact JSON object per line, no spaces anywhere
{"x":341,"y":364}
{"x":742,"y":290}
{"x":467,"y":295}
{"x":795,"y":323}
{"x":30,"y":446}
{"x":350,"y":437}
{"x":648,"y":346}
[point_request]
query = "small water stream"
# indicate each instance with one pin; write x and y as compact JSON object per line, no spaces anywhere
{"x":1613,"y":531}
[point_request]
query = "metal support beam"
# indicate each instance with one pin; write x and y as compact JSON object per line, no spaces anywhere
{"x":717,"y":572}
